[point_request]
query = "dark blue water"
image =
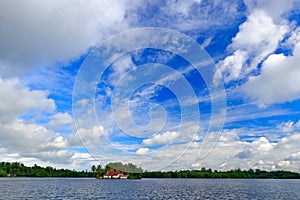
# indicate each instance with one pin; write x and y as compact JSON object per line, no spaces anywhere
{"x":68,"y":188}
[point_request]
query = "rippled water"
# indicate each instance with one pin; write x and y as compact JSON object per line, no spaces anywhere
{"x":68,"y":188}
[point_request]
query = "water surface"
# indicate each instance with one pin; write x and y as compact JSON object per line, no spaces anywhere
{"x":80,"y":188}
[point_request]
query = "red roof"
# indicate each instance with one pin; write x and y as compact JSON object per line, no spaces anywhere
{"x":112,"y":172}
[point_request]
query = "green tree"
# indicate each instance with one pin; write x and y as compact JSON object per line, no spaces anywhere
{"x":2,"y":173}
{"x":93,"y":168}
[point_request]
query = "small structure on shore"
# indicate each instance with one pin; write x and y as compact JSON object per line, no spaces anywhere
{"x":114,"y":174}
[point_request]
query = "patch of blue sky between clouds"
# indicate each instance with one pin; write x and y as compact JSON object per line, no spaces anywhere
{"x":131,"y":86}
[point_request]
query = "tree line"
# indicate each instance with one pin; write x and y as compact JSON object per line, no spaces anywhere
{"x":17,"y":169}
{"x":237,"y":173}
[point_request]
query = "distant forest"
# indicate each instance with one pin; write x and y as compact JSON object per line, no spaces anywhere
{"x":237,"y":173}
{"x":17,"y":169}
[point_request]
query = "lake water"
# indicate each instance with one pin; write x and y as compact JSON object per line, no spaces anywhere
{"x":79,"y":188}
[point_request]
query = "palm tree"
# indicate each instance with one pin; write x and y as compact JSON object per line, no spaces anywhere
{"x":93,"y":168}
{"x":99,"y":171}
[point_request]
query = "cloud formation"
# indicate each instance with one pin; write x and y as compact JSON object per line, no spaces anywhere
{"x":44,"y":33}
{"x":278,"y":81}
{"x":258,"y":37}
{"x":26,"y":139}
{"x":17,"y":99}
{"x":60,"y":120}
{"x":159,"y":139}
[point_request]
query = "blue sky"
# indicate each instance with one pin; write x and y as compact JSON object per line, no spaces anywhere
{"x":104,"y":81}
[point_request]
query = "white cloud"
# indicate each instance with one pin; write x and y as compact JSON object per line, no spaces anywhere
{"x":231,"y":66}
{"x":262,"y":144}
{"x":120,"y":67}
{"x":290,"y":142}
{"x":287,"y":127}
{"x":298,"y":124}
{"x":283,"y":164}
{"x":55,"y":156}
{"x":90,"y":138}
{"x":231,"y":152}
{"x":60,"y":120}
{"x":17,"y":99}
{"x":293,"y":157}
{"x":31,"y":140}
{"x":271,"y":156}
{"x":26,"y":139}
{"x":229,"y":136}
{"x":164,"y":138}
{"x":258,"y":37}
{"x":84,"y":160}
{"x":275,"y":9}
{"x":48,"y":32}
{"x":142,"y":151}
{"x":255,"y":42}
{"x":259,"y":29}
{"x":294,"y":39}
{"x":278,"y":81}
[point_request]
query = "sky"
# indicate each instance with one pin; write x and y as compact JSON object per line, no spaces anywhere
{"x":166,"y":85}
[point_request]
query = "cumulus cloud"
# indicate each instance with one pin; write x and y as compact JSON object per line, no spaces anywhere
{"x":232,"y":152}
{"x":278,"y":81}
{"x":158,"y":139}
{"x":287,"y":127}
{"x":257,"y":38}
{"x":90,"y":138}
{"x":293,"y":157}
{"x":31,"y":140}
{"x":298,"y":125}
{"x":17,"y":99}
{"x":42,"y":33}
{"x":231,"y":66}
{"x":26,"y":139}
{"x":55,"y":156}
{"x":245,"y":153}
{"x":142,"y":151}
{"x":187,"y":155}
{"x":60,"y":120}
{"x":63,"y":31}
{"x":261,"y":153}
{"x":262,"y":144}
